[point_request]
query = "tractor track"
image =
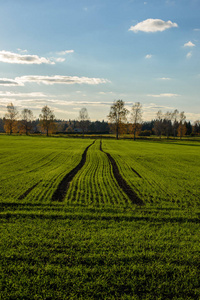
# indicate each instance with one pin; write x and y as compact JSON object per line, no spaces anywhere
{"x":63,"y":186}
{"x":136,"y":173}
{"x":21,"y":197}
{"x":121,"y":181}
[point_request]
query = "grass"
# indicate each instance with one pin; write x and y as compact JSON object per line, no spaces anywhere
{"x":96,"y":244}
{"x":168,"y":171}
{"x":29,"y":161}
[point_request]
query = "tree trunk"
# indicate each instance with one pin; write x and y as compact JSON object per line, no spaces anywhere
{"x":117,"y":133}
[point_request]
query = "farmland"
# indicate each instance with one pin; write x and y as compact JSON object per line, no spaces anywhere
{"x":95,"y":242}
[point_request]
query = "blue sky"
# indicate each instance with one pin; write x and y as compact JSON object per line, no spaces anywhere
{"x":72,"y":54}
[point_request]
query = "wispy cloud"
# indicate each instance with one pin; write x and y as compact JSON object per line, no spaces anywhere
{"x":59,"y":59}
{"x":22,"y":51}
{"x":164,"y":78}
{"x":168,"y":95}
{"x":65,"y":52}
{"x":23,"y":95}
{"x":15,"y":58}
{"x":153,"y":106}
{"x":58,"y":79}
{"x":9,"y":82}
{"x":189,"y":44}
{"x":50,"y":80}
{"x":189,"y":54}
{"x":152,"y":25}
{"x":148,"y":56}
{"x":105,"y":93}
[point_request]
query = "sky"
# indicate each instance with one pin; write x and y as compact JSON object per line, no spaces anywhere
{"x":70,"y":54}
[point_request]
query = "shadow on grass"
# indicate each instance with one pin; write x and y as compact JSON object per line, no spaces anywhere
{"x":97,"y":217}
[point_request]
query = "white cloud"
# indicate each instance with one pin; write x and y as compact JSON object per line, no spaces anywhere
{"x":164,"y":78}
{"x":59,"y":59}
{"x":65,"y":52}
{"x":189,"y":54}
{"x":50,"y":80}
{"x":9,"y":82}
{"x":15,"y":58}
{"x":105,"y":93}
{"x":152,"y":25}
{"x":58,"y":79}
{"x":154,"y":106}
{"x":22,"y":95}
{"x":148,"y":56}
{"x":197,"y":29}
{"x":189,"y":44}
{"x":22,"y":51}
{"x":168,"y":95}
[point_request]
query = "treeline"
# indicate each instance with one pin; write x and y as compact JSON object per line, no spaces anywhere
{"x":24,"y":123}
{"x":171,"y":123}
{"x":165,"y":124}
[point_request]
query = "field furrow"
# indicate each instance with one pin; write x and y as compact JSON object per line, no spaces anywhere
{"x":157,"y":171}
{"x":95,"y":182}
{"x":34,"y":167}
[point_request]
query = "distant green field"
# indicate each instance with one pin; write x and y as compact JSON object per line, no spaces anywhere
{"x":95,"y":243}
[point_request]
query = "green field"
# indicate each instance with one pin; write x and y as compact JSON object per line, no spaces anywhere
{"x":96,"y":243}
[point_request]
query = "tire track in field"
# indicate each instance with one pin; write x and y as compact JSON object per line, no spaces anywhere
{"x":121,"y":181}
{"x":21,"y":197}
{"x":63,"y":186}
{"x":136,"y":173}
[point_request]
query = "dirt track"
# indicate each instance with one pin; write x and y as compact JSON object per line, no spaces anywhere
{"x":28,"y":191}
{"x":63,"y":186}
{"x":122,"y":182}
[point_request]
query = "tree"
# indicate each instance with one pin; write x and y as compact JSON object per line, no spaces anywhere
{"x":182,"y":126}
{"x":10,"y":121}
{"x":136,"y":116}
{"x":175,"y":121}
{"x":167,"y":123}
{"x":196,"y":128}
{"x":117,"y":116}
{"x":158,"y":125}
{"x":26,"y":121}
{"x":47,"y":119}
{"x":84,"y":120}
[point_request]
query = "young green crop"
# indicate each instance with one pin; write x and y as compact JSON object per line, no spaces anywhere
{"x":36,"y":165}
{"x":96,"y":244}
{"x":61,"y":251}
{"x":168,"y":171}
{"x":95,"y":183}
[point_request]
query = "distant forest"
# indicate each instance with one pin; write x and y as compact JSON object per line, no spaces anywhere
{"x":168,"y":124}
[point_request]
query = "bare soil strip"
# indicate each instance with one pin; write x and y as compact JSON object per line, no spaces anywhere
{"x":122,"y":182}
{"x":136,"y":173}
{"x":63,"y":186}
{"x":28,"y":191}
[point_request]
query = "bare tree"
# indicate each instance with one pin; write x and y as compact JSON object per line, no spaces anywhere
{"x":158,"y":125}
{"x":175,"y":121}
{"x":167,"y":123}
{"x":26,"y":121}
{"x":10,"y":121}
{"x":196,"y":127}
{"x":136,"y":116}
{"x":47,"y":119}
{"x":118,"y":116}
{"x":182,"y":126}
{"x":84,"y":120}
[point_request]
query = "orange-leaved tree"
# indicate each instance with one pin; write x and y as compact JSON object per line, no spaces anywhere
{"x":47,"y":120}
{"x":118,"y":116}
{"x":10,"y":120}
